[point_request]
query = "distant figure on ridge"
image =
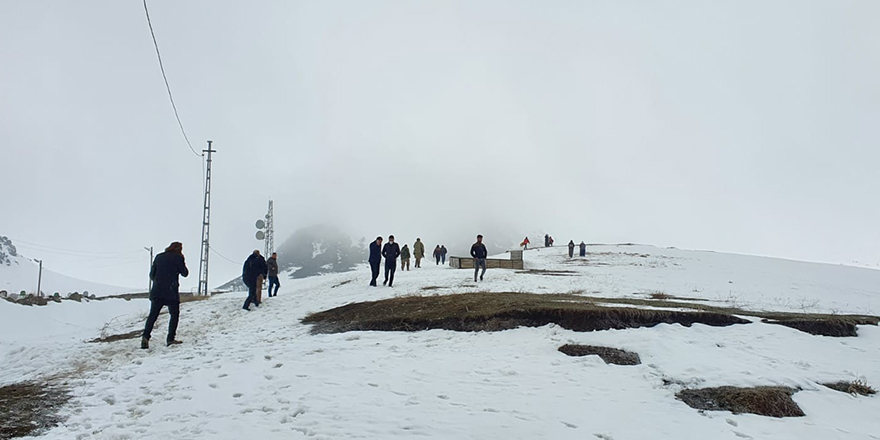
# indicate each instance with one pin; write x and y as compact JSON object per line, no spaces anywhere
{"x":164,"y":272}
{"x":571,"y":249}
{"x":550,"y":241}
{"x":390,"y":251}
{"x":525,"y":244}
{"x":272,"y":263}
{"x":583,"y":249}
{"x":443,"y":252}
{"x":404,"y":257}
{"x":419,"y":251}
{"x":437,"y":255}
{"x":546,"y":240}
{"x":254,"y":267}
{"x":375,"y":259}
{"x":479,"y":252}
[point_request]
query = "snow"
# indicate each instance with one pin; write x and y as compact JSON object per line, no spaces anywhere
{"x":22,"y":274}
{"x":261,"y":374}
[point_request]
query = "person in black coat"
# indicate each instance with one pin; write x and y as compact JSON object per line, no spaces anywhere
{"x":390,"y":251}
{"x":164,"y":272}
{"x":571,"y":248}
{"x":375,"y":259}
{"x":583,"y":247}
{"x":254,"y":266}
{"x":479,"y":252}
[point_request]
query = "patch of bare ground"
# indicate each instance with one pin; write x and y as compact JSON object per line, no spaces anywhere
{"x":610,"y":355}
{"x":432,"y":287}
{"x":30,"y":408}
{"x":500,"y":311}
{"x":763,"y":401}
{"x":813,"y":323}
{"x":342,"y":284}
{"x":852,"y":387}
{"x":119,"y":337}
{"x":552,"y":273}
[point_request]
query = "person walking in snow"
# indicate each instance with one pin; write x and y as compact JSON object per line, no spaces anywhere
{"x":583,"y":249}
{"x":479,"y":252}
{"x":255,"y":266}
{"x":272,"y":263}
{"x":443,"y":252}
{"x":571,"y":248}
{"x":546,"y":240}
{"x":550,"y":242}
{"x":525,"y":244}
{"x":404,"y":257}
{"x":390,"y":251}
{"x":437,"y":255}
{"x":375,"y":259}
{"x":165,"y":272}
{"x":419,"y":251}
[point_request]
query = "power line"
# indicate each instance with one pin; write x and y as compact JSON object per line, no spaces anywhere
{"x":167,"y":87}
{"x":223,"y":256}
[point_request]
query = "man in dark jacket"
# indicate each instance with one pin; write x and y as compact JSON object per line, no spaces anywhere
{"x":479,"y":252}
{"x":272,"y":264}
{"x":583,"y":249}
{"x":443,"y":252}
{"x":570,"y":248}
{"x":390,"y":251}
{"x":375,"y":259}
{"x":254,"y":266}
{"x":164,"y":272}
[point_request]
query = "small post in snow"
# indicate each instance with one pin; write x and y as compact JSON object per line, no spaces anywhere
{"x":150,"y":283}
{"x":39,"y":277}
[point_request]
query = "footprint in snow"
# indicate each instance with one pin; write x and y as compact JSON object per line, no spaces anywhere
{"x":237,"y":395}
{"x":569,"y":425}
{"x":741,"y":435}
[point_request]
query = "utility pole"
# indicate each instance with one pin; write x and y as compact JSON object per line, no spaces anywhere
{"x":206,"y":227}
{"x":150,"y":284}
{"x":39,"y":277}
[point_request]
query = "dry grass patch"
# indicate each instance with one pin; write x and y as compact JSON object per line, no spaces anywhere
{"x":119,"y":337}
{"x":763,"y":401}
{"x":812,"y":323}
{"x":853,"y":387}
{"x":499,"y":311}
{"x":609,"y":355}
{"x":29,"y":408}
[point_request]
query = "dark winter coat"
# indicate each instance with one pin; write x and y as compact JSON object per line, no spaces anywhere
{"x":164,"y":272}
{"x":391,"y":251}
{"x":272,"y":263}
{"x":437,"y":252}
{"x":254,"y":266}
{"x":443,"y":251}
{"x":375,"y":253}
{"x":404,"y":253}
{"x":478,"y":250}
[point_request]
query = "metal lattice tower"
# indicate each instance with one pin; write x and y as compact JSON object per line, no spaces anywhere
{"x":206,"y":227}
{"x":270,"y":231}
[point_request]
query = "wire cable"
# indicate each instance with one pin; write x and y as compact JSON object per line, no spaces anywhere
{"x":167,"y":87}
{"x":223,"y":256}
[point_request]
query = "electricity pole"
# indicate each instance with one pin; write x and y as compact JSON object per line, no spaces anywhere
{"x":270,"y":231}
{"x":39,"y":277}
{"x":150,"y":284}
{"x":206,"y":227}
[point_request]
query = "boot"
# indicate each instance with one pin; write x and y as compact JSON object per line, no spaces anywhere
{"x":145,"y":343}
{"x":173,"y":342}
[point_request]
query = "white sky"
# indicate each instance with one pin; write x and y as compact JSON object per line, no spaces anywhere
{"x":743,"y":126}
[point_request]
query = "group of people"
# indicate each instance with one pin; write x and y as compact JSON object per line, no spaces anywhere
{"x":255,"y":270}
{"x":583,"y":249}
{"x":391,"y":251}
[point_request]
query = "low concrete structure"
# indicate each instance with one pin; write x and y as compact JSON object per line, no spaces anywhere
{"x":515,"y":262}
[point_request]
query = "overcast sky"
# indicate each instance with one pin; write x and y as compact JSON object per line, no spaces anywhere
{"x":740,"y":126}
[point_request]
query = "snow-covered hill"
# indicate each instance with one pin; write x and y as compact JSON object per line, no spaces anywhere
{"x":18,"y":273}
{"x":262,"y":374}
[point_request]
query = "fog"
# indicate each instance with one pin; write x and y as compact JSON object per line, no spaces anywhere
{"x":745,"y":127}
